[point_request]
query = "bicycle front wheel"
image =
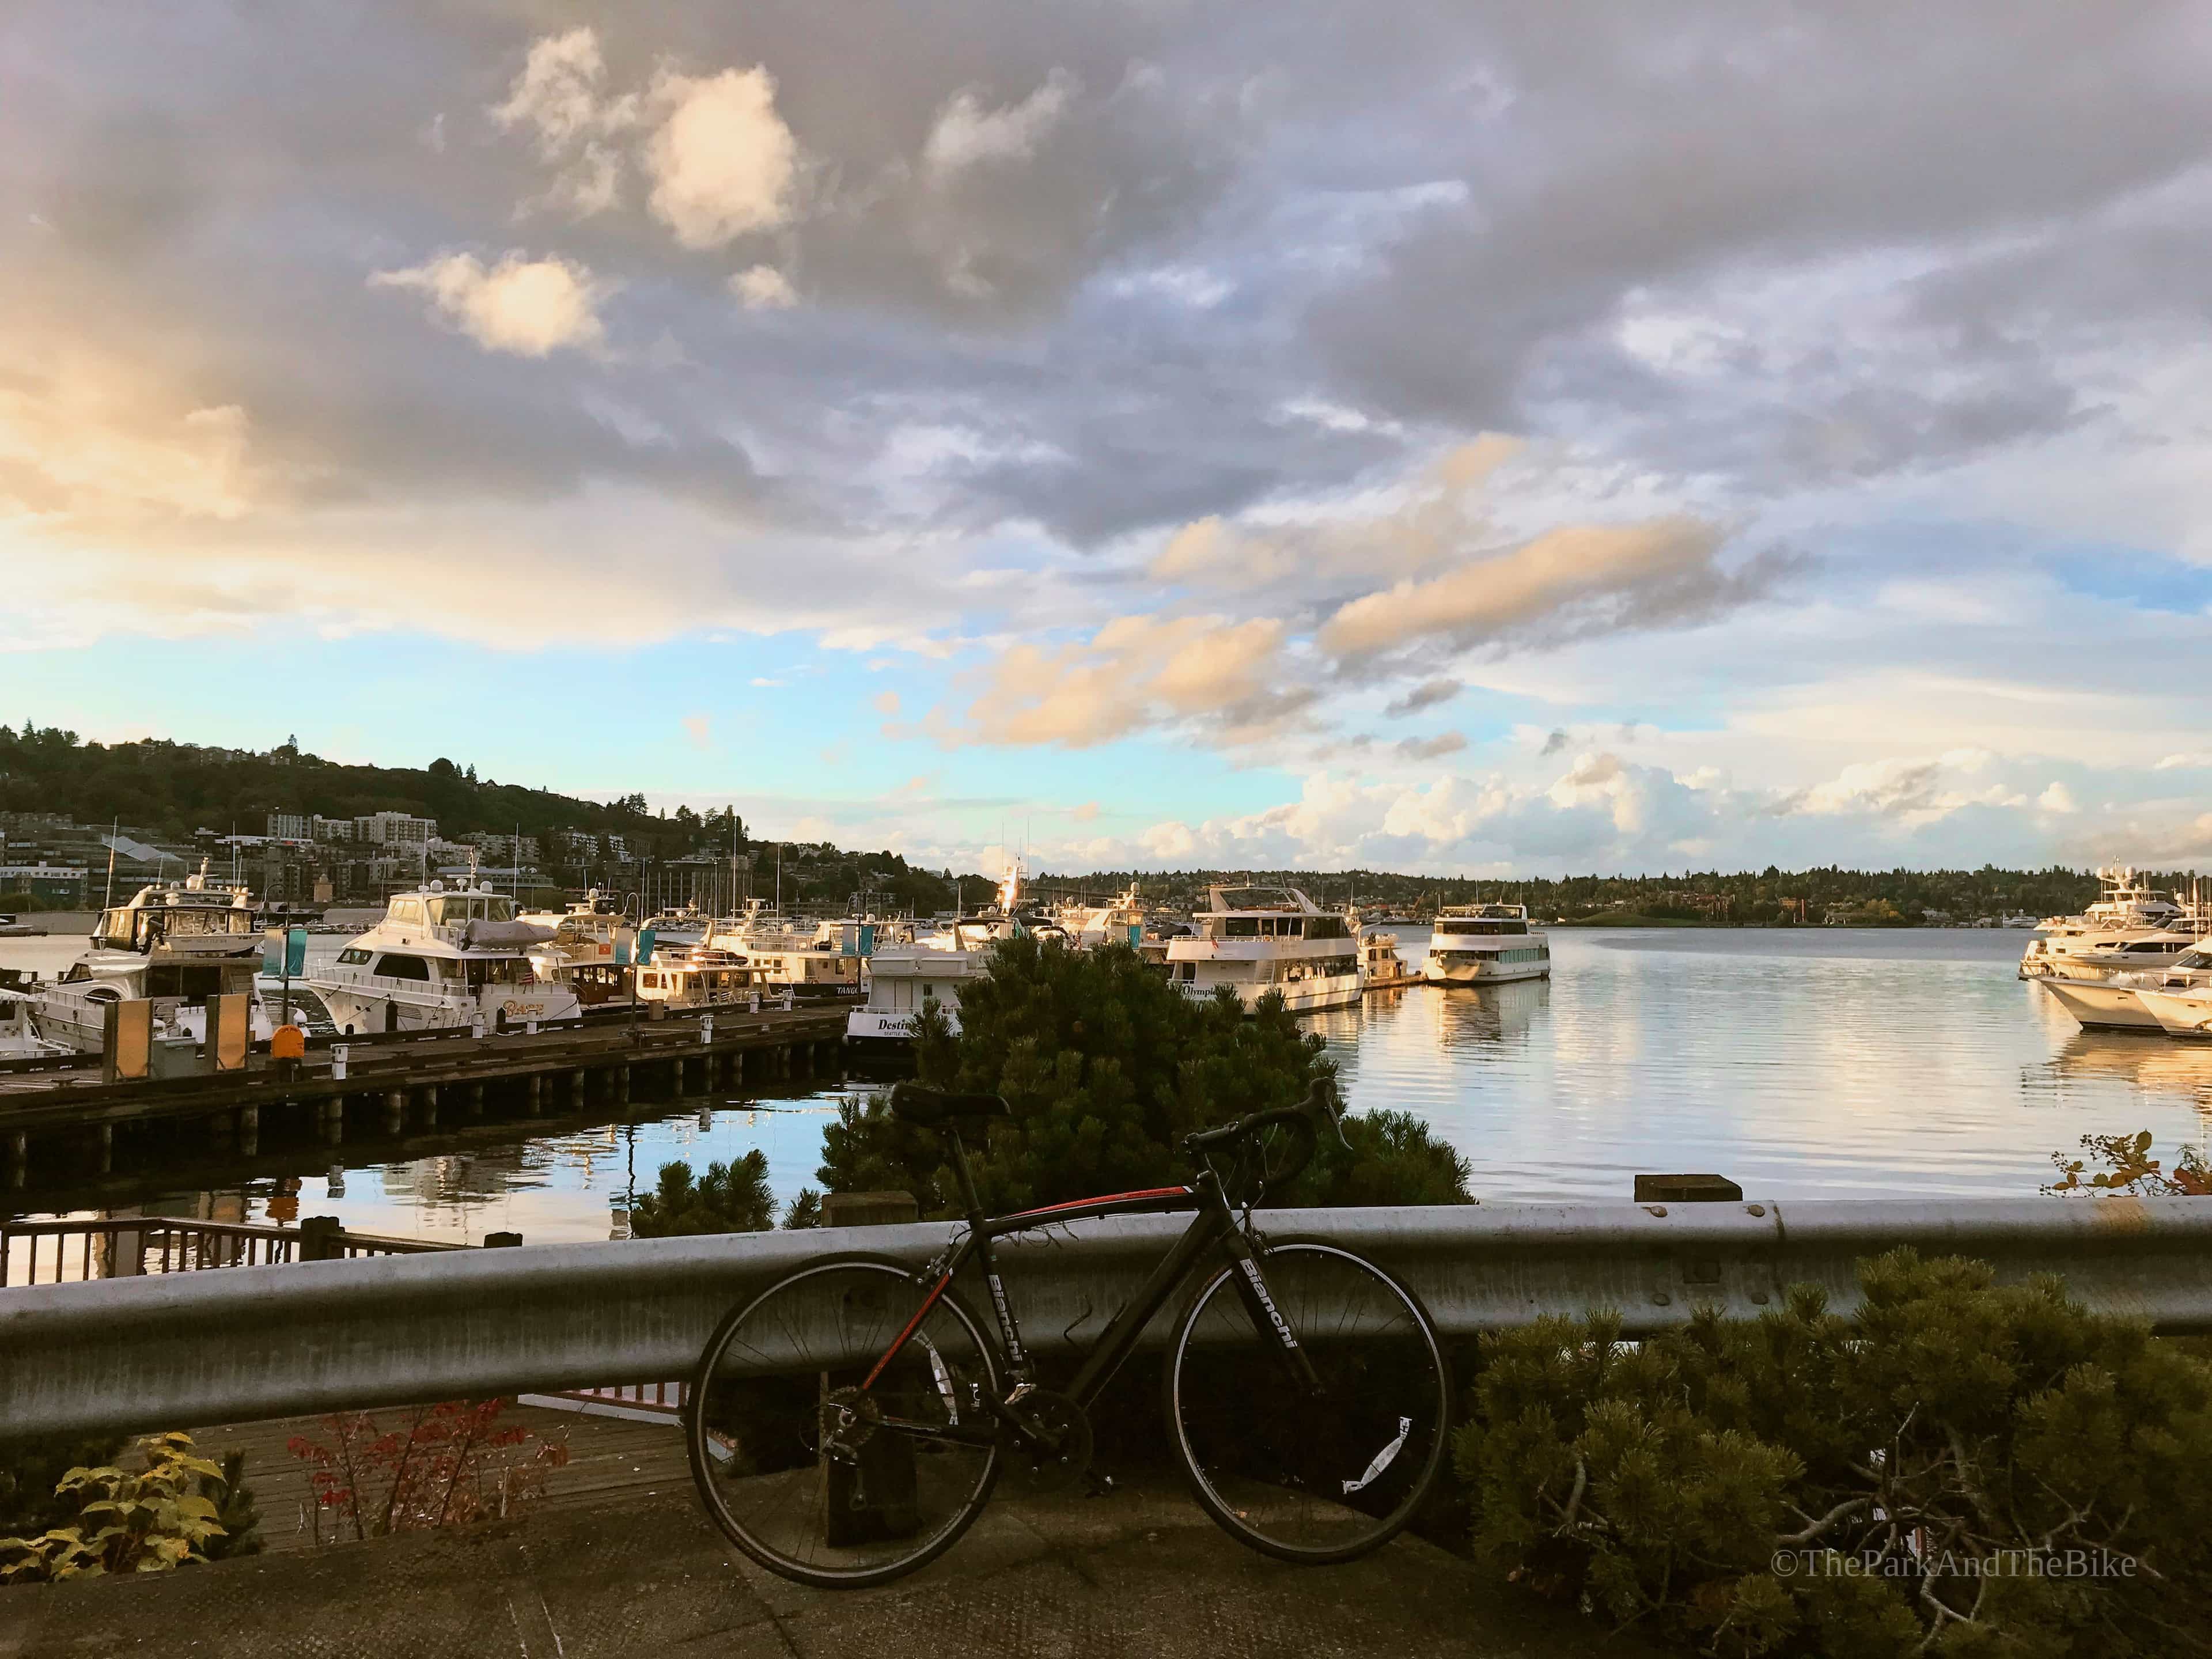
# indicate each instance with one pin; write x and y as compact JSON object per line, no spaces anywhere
{"x":813,"y":1469}
{"x":1305,"y":1474}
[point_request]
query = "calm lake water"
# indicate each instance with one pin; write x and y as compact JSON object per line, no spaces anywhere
{"x":1826,"y":1063}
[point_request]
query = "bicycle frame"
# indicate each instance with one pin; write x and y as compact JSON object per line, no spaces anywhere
{"x":1213,"y":1225}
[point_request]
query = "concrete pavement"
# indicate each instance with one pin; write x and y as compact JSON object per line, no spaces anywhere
{"x":1140,"y":1572}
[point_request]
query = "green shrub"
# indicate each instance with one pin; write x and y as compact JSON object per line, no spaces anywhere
{"x":1813,"y":1484}
{"x":148,"y":1520}
{"x":1106,"y":1067}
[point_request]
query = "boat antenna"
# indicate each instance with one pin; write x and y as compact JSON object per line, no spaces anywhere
{"x":114,"y":830}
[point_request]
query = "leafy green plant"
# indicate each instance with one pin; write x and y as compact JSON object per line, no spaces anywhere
{"x":1106,"y":1067}
{"x":1955,"y":1467}
{"x":148,"y":1520}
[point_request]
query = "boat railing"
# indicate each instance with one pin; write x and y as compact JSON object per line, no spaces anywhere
{"x":71,"y":1252}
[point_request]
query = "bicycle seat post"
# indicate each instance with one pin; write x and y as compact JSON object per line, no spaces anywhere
{"x":966,"y":1177}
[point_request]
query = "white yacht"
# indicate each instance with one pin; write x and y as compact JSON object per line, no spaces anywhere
{"x":814,"y":962}
{"x":1381,"y":967}
{"x":441,"y":957}
{"x":1120,"y":920}
{"x":2131,"y":928}
{"x":1486,"y":945}
{"x":903,"y":980}
{"x":2184,"y":1012}
{"x":19,"y":1037}
{"x":681,"y":928}
{"x":580,"y":950}
{"x":1258,"y":940}
{"x":696,"y":976}
{"x":926,"y":968}
{"x":175,"y":942}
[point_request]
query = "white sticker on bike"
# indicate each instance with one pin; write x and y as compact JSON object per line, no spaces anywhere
{"x":1381,"y":1458}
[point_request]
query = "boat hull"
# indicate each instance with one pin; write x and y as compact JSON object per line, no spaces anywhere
{"x":1485,"y":973}
{"x":367,"y":1010}
{"x":889,"y":1030}
{"x":1309,"y":996}
{"x":2100,"y":1006}
{"x":2179,"y":1014}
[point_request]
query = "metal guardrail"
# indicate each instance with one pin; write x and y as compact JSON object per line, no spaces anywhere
{"x":149,"y":1353}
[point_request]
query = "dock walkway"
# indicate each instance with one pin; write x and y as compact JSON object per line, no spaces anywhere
{"x":396,"y":1082}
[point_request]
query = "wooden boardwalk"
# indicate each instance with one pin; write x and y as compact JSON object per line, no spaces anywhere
{"x":609,"y":1459}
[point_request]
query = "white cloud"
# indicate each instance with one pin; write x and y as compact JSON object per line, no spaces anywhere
{"x":1211,"y":672}
{"x":560,"y":96}
{"x":2186,"y":762}
{"x":721,"y":160}
{"x":966,"y":134}
{"x":762,"y":288}
{"x":2056,"y":799}
{"x":527,"y":307}
{"x":1619,"y":574}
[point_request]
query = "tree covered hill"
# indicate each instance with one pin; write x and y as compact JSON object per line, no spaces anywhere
{"x":175,"y":788}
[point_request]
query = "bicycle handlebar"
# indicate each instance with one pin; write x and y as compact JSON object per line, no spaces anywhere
{"x":1320,"y":1103}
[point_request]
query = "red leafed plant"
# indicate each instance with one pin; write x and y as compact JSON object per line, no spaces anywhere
{"x":446,"y":1465}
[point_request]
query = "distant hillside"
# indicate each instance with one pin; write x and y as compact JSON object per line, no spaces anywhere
{"x":175,"y":788}
{"x":1891,"y":898}
{"x":167,"y":791}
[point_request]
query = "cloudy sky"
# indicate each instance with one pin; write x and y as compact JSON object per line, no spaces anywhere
{"x":1476,"y":437}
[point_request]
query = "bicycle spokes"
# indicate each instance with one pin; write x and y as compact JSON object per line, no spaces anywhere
{"x":813,"y":1473}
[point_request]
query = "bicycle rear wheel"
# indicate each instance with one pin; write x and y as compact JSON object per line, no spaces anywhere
{"x":818,"y":1474}
{"x":1305,"y":1477}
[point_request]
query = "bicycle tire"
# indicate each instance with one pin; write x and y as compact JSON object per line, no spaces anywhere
{"x":752,"y":1399}
{"x":1311,"y":1481}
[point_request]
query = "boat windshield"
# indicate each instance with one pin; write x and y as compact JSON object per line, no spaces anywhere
{"x":453,"y":908}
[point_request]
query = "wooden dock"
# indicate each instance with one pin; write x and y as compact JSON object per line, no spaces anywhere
{"x":396,"y":1085}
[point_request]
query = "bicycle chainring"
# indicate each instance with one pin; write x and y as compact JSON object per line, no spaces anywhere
{"x":1067,"y":1426}
{"x":848,"y":1419}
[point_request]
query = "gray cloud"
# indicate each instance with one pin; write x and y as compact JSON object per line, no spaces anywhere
{"x":1427,"y":695}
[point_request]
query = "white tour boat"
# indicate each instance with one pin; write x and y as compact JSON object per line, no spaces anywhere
{"x":440,"y":958}
{"x":1258,"y":940}
{"x":1486,"y":945}
{"x":176,"y":943}
{"x":928,"y":968}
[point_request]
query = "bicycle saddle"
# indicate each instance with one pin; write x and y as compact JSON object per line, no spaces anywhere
{"x":931,"y":1108}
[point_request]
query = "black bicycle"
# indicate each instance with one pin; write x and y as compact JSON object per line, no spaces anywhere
{"x":847,"y":1425}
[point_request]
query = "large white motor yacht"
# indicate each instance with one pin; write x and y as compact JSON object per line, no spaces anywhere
{"x":175,"y":942}
{"x":1486,"y":945}
{"x":2131,"y":928}
{"x":1258,"y":940}
{"x":441,"y":957}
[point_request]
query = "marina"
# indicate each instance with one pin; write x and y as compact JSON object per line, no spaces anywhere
{"x":1815,"y":1063}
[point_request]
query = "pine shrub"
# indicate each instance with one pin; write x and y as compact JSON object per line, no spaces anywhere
{"x":1955,"y":1467}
